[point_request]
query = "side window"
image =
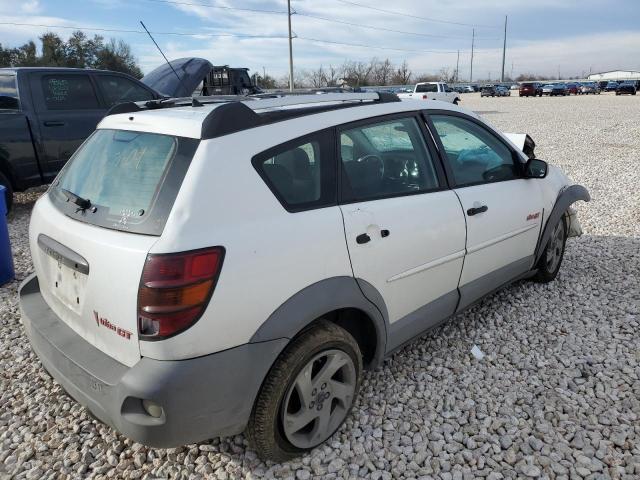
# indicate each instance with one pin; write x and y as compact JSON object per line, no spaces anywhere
{"x":69,"y":92}
{"x":119,"y":89}
{"x":301,"y":173}
{"x":474,"y":154}
{"x":385,"y":159}
{"x":9,"y":93}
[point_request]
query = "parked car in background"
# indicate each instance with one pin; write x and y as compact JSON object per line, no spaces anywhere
{"x":469,"y":89}
{"x":46,"y":113}
{"x":602,"y":84}
{"x":589,"y":88}
{"x":488,"y":91}
{"x":514,"y":87}
{"x":385,"y":224}
{"x":611,"y":86}
{"x":502,"y":91}
{"x":530,"y":89}
{"x":572,"y":89}
{"x":431,"y":91}
{"x":554,"y":89}
{"x":626,"y":88}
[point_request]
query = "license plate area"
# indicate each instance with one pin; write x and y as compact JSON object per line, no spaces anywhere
{"x":67,"y":284}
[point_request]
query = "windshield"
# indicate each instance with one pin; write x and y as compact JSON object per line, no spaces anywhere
{"x":130,"y":179}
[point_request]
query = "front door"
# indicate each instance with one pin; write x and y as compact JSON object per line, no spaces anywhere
{"x":503,"y":209}
{"x":405,"y":230}
{"x":68,"y":111}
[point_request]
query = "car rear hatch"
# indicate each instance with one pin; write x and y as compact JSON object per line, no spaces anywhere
{"x":90,"y":234}
{"x":178,"y":78}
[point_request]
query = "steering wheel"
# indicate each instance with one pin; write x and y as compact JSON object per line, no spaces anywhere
{"x":371,"y":160}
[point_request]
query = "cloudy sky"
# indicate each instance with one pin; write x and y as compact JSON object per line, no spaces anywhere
{"x":544,"y":36}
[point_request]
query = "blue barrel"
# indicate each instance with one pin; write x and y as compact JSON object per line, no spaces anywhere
{"x":6,"y":259}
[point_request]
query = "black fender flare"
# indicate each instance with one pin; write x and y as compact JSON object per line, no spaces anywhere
{"x":566,"y":198}
{"x":318,"y":299}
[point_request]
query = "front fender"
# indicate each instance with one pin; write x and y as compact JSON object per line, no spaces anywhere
{"x":567,"y":196}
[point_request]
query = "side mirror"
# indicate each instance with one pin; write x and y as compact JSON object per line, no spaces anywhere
{"x":536,"y":168}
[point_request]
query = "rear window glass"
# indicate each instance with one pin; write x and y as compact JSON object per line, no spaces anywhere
{"x":9,"y":92}
{"x":426,"y":88}
{"x":130,"y":178}
{"x":69,"y":92}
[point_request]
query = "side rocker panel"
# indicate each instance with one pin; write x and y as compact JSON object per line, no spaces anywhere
{"x":317,"y":300}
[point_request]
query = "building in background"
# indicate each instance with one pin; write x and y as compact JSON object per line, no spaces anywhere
{"x":616,"y":75}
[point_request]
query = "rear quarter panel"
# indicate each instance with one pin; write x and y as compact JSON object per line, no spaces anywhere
{"x":271,"y":254}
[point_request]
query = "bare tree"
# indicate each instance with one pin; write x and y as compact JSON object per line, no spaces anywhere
{"x":357,"y":74}
{"x":427,"y":77}
{"x":402,"y":75}
{"x":315,"y":78}
{"x":332,"y":75}
{"x":381,"y":71}
{"x":446,"y":75}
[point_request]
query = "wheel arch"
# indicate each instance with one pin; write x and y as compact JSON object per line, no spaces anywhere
{"x":566,"y":198}
{"x":338,"y":300}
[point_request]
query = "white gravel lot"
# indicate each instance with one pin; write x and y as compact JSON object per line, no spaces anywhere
{"x":557,"y":396}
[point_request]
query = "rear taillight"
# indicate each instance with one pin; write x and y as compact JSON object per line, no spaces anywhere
{"x":424,"y":97}
{"x":175,"y":289}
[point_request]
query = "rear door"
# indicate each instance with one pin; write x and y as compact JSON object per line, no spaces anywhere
{"x":405,"y":230}
{"x":16,"y":143}
{"x":503,"y":209}
{"x":68,"y":110}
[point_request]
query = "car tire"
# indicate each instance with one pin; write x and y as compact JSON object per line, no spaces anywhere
{"x":551,"y":259}
{"x":8,"y":193}
{"x":298,"y":372}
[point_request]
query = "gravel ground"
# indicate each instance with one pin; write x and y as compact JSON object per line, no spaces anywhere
{"x":556,"y":396}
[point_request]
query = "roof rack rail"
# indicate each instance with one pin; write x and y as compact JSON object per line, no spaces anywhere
{"x":235,"y":113}
{"x":170,"y":102}
{"x":232,"y":117}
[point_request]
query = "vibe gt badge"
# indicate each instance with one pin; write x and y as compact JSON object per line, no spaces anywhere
{"x":103,"y":322}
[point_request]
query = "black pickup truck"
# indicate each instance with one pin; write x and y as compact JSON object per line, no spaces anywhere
{"x":46,"y":113}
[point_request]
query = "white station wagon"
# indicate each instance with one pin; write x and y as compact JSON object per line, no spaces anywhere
{"x":207,"y":269}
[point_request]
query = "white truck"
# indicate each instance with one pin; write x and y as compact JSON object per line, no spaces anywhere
{"x":431,"y":91}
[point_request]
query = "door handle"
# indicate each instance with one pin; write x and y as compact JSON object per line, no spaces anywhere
{"x":384,"y":233}
{"x":54,"y":123}
{"x":362,"y":238}
{"x":477,"y":210}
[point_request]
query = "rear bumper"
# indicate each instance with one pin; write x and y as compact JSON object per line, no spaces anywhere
{"x":201,"y":398}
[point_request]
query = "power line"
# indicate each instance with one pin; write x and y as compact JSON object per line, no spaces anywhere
{"x":371,"y":27}
{"x":121,"y":30}
{"x":403,"y":14}
{"x":221,"y":7}
{"x":372,"y":46}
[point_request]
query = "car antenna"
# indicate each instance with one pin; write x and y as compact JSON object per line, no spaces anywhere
{"x":158,"y":47}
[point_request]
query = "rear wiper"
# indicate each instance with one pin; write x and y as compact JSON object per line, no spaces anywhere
{"x":82,"y":203}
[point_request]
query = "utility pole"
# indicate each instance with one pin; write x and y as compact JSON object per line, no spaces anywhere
{"x":473,"y":40}
{"x":504,"y":48}
{"x":457,"y":66}
{"x":290,"y":48}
